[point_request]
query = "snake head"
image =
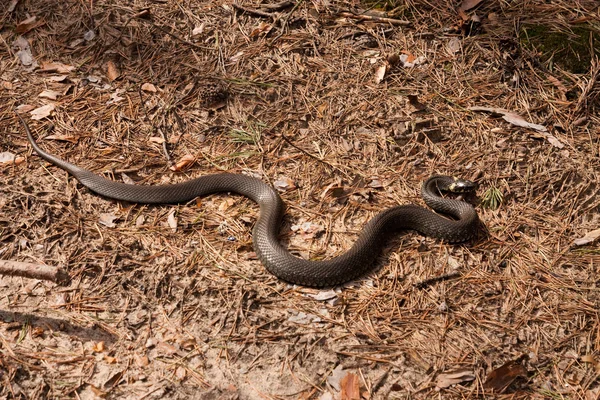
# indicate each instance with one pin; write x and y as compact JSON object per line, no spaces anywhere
{"x":461,"y":186}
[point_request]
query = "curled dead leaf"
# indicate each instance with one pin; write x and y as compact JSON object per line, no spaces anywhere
{"x":502,"y":377}
{"x":452,"y":378}
{"x":284,"y":184}
{"x":184,"y":162}
{"x":107,"y":219}
{"x":112,"y":72}
{"x":56,"y":67}
{"x":589,"y":237}
{"x":49,"y":94}
{"x":350,"y":387}
{"x":172,"y":221}
{"x":29,"y":24}
{"x":511,"y":117}
{"x":466,"y":5}
{"x":380,"y":73}
{"x":148,"y":87}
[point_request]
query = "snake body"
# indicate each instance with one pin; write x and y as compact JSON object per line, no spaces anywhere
{"x":276,"y":258}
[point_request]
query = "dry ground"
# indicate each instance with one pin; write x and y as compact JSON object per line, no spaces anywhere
{"x":157,"y":313}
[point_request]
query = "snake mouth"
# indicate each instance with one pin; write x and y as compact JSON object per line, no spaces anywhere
{"x":461,"y":186}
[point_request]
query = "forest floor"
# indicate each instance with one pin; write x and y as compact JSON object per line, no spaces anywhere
{"x":346,"y":110}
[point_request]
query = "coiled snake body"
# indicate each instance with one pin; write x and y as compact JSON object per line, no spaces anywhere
{"x":275,"y":257}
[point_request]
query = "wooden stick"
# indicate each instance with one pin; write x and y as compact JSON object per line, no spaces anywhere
{"x":34,"y":271}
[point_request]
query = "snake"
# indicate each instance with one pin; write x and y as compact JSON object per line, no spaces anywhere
{"x":276,"y":258}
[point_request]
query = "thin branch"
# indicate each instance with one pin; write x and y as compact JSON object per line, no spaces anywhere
{"x":34,"y":271}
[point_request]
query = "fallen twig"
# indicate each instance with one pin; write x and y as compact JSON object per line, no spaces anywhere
{"x":434,"y":279}
{"x":34,"y":271}
{"x":372,"y":18}
{"x":253,"y":11}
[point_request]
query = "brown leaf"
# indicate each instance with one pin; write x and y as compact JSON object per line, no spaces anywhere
{"x":98,"y":347}
{"x":263,"y":27}
{"x":350,"y":387}
{"x":42,"y":112}
{"x":148,"y":87}
{"x":184,"y":162}
{"x":29,"y":24}
{"x":452,"y":378}
{"x":380,"y":73}
{"x":141,"y":361}
{"x":112,"y":72}
{"x":413,"y":100}
{"x":501,"y":378}
{"x":166,"y":348}
{"x":56,"y":67}
{"x":49,"y":94}
{"x":469,"y":4}
{"x":63,"y":138}
{"x":284,"y":184}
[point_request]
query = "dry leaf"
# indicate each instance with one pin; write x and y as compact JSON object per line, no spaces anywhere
{"x":408,"y":57}
{"x":409,"y":61}
{"x":98,"y":347}
{"x":324,"y":295}
{"x":263,"y":27}
{"x":23,"y":52}
{"x":198,"y":29}
{"x":112,"y":72}
{"x":63,"y":138}
{"x":172,"y":221}
{"x":380,"y":73}
{"x":446,"y":380}
{"x":501,"y":378}
{"x":56,"y":67}
{"x":107,"y":219}
{"x":166,"y":349}
{"x":180,"y":373}
{"x":588,"y":238}
{"x":141,"y":361}
{"x":58,"y":78}
{"x":8,"y":158}
{"x":588,"y":358}
{"x":148,"y":87}
{"x":454,"y":45}
{"x":469,"y":4}
{"x":126,"y":179}
{"x":284,"y":184}
{"x":28,"y":24}
{"x":413,"y":100}
{"x":511,"y":117}
{"x":184,"y":162}
{"x":49,"y":94}
{"x":157,"y":139}
{"x":336,"y":376}
{"x":517,"y":120}
{"x":12,"y":5}
{"x":350,"y":387}
{"x":42,"y":112}
{"x":115,"y":97}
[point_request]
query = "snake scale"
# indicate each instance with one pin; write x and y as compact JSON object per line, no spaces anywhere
{"x":355,"y":262}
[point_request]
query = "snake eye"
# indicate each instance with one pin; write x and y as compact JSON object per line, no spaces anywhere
{"x":462,"y":186}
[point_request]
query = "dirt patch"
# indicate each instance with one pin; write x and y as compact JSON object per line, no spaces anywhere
{"x":347,"y":111}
